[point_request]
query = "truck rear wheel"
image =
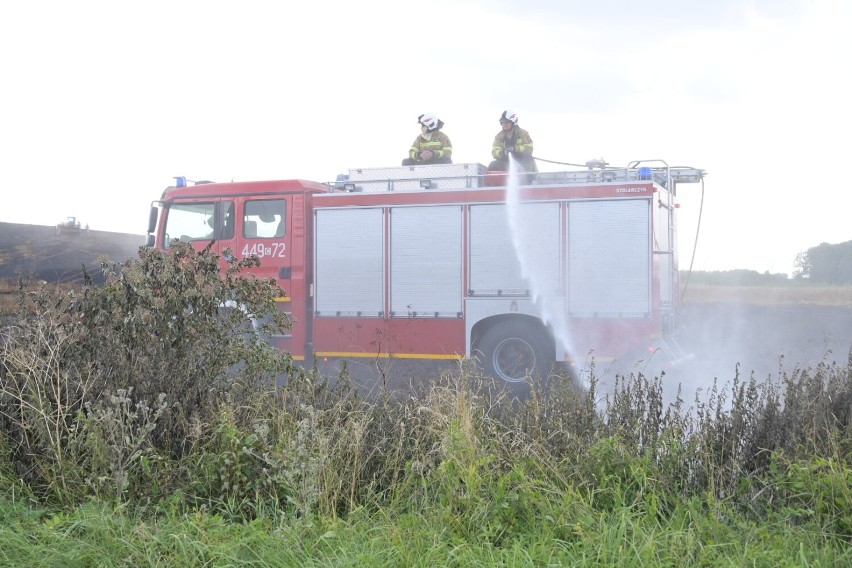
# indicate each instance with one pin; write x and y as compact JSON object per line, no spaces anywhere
{"x":515,"y":352}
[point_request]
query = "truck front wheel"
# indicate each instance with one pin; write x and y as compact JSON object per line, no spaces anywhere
{"x":515,"y":352}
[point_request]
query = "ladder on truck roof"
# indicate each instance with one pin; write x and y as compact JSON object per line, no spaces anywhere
{"x":467,"y":176}
{"x":598,"y":171}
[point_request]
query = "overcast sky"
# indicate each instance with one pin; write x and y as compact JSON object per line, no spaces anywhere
{"x":103,"y":102}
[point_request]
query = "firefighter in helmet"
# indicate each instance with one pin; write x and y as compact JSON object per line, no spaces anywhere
{"x":432,"y":146}
{"x":512,"y":140}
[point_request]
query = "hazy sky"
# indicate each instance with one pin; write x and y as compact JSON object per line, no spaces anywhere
{"x":103,"y":102}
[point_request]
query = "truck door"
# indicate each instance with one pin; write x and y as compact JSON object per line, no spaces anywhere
{"x":266,"y":232}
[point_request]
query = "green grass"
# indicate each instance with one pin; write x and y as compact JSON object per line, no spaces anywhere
{"x":695,"y":534}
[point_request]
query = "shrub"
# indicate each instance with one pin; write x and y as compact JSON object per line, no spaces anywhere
{"x":155,"y":331}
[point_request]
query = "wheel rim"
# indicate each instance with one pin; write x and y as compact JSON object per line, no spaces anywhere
{"x":514,"y":360}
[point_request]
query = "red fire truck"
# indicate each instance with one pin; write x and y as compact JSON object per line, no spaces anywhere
{"x":444,"y":262}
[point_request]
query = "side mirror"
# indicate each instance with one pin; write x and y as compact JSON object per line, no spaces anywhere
{"x":149,"y":242}
{"x":152,"y":219}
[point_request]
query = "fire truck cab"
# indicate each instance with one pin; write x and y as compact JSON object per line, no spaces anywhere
{"x":443,"y":262}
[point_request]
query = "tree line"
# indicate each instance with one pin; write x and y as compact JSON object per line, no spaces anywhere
{"x":822,"y":265}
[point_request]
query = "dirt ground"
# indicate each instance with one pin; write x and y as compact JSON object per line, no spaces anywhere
{"x":766,"y":337}
{"x":757,"y":327}
{"x":759,"y":336}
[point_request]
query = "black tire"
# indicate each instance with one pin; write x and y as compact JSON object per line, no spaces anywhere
{"x":514,"y":352}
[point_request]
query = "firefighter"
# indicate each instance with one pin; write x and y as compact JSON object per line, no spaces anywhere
{"x":432,"y":146}
{"x":515,"y":141}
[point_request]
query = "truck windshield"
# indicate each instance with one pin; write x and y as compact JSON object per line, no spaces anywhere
{"x":197,"y":221}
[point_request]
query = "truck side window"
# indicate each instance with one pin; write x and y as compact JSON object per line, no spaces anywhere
{"x":264,"y":219}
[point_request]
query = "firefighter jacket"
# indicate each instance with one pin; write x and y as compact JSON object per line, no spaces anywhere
{"x":519,"y":142}
{"x":438,"y":142}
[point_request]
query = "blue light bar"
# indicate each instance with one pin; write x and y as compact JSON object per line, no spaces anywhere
{"x":180,"y":181}
{"x":645,"y":173}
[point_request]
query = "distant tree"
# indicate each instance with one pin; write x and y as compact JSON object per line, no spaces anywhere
{"x":826,"y":264}
{"x":802,"y":266}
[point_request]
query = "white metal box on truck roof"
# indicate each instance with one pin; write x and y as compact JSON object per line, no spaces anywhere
{"x":433,"y":176}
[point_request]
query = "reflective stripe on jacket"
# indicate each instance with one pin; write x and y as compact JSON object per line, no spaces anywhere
{"x":439,"y":144}
{"x":520,"y":143}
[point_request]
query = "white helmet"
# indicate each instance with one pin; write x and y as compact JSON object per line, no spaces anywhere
{"x":430,"y":121}
{"x":509,"y":116}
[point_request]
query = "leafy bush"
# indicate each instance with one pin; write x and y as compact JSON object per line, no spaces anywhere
{"x":96,"y":361}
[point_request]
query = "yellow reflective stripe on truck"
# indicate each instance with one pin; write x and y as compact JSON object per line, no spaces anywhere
{"x":454,"y":357}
